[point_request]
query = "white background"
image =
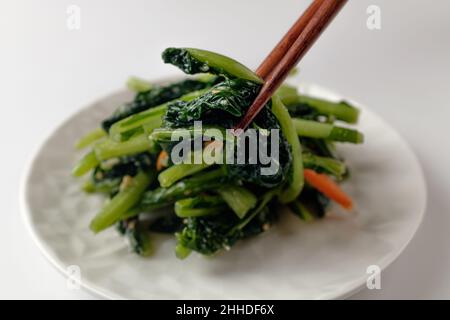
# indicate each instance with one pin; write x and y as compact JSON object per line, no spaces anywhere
{"x":48,"y":72}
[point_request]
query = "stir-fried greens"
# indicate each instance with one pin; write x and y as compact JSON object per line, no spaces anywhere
{"x":211,"y":206}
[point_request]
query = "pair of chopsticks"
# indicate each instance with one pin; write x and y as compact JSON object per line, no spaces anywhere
{"x":290,"y":50}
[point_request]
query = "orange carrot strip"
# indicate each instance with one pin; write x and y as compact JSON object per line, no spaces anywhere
{"x":328,"y":187}
{"x":161,"y":162}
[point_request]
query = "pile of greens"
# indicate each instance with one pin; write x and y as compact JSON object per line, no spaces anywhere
{"x":210,"y":207}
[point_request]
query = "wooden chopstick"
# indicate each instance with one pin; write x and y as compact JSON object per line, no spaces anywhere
{"x":274,"y":57}
{"x":318,"y":22}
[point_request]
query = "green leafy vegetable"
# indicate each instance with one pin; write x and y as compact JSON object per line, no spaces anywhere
{"x":186,"y":188}
{"x":168,"y":223}
{"x":126,"y":199}
{"x":107,"y":177}
{"x":177,"y":172}
{"x":296,"y":181}
{"x":223,"y":105}
{"x":322,"y":164}
{"x":311,"y":205}
{"x":199,"y":206}
{"x":341,"y":110}
{"x":138,"y":85}
{"x":85,"y":165}
{"x":239,"y":199}
{"x":193,"y":61}
{"x":208,"y":235}
{"x":138,"y":237}
{"x":155,"y":96}
{"x":90,"y":138}
{"x":111,"y":149}
{"x":314,"y":129}
{"x":145,"y":121}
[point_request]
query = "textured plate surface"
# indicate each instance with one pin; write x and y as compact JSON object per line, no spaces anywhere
{"x":322,"y":260}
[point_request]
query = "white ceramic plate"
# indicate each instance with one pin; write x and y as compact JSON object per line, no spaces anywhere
{"x":322,"y":260}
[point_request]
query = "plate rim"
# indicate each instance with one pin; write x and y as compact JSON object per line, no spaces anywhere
{"x":88,"y":286}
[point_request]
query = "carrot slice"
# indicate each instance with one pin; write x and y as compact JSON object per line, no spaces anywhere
{"x":161,"y":162}
{"x":328,"y":187}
